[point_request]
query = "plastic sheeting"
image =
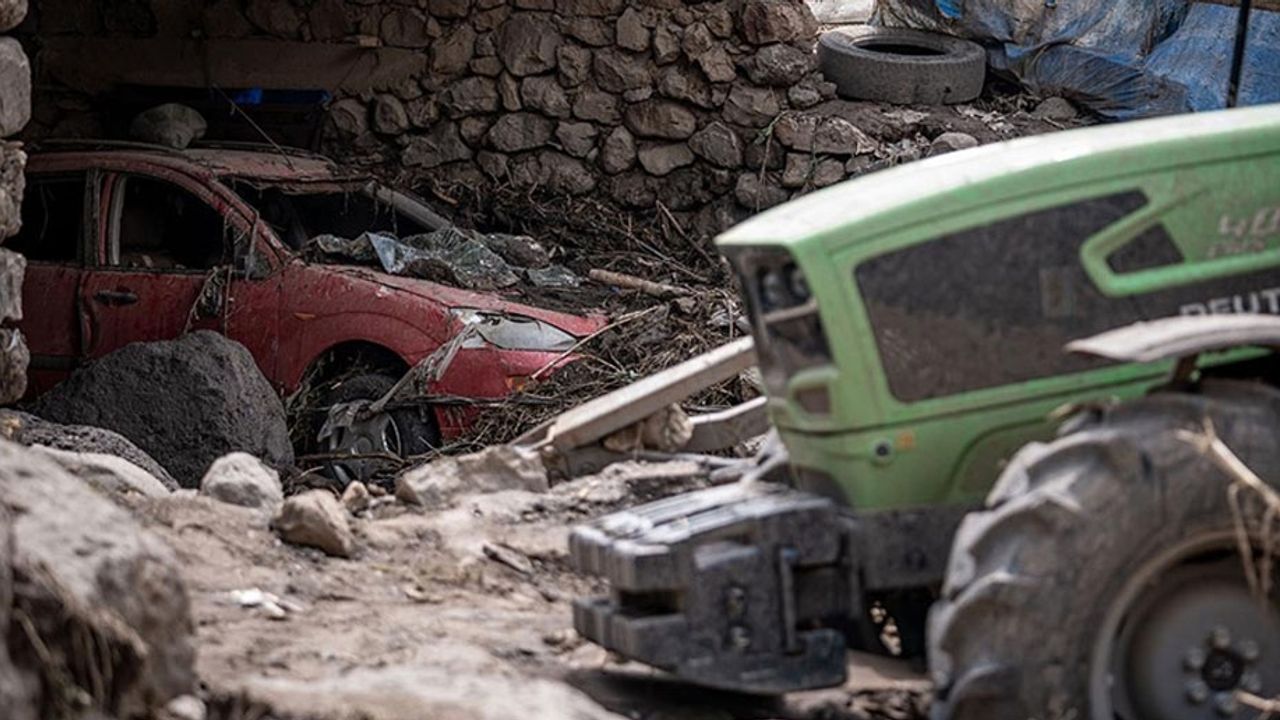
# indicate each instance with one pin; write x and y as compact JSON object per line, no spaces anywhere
{"x":1121,"y":58}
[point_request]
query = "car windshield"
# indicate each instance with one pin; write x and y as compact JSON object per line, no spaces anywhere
{"x":299,"y":214}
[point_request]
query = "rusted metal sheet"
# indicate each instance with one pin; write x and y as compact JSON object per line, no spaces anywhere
{"x":1179,"y":337}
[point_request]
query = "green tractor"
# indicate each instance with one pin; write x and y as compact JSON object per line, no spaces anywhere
{"x":1034,"y":522}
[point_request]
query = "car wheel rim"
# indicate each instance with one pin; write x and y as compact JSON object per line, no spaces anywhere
{"x":1185,"y":635}
{"x":375,"y":435}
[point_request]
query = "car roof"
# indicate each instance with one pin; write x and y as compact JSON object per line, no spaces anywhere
{"x":915,"y":189}
{"x":230,"y":160}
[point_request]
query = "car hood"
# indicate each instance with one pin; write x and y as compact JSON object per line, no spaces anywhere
{"x":455,"y":298}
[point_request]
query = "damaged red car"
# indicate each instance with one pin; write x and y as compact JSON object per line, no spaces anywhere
{"x":130,"y":243}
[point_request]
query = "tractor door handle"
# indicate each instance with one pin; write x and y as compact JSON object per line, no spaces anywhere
{"x":115,"y":297}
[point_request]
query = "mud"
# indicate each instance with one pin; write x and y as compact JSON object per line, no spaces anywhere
{"x":461,"y":612}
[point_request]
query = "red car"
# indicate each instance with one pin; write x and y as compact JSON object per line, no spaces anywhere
{"x":129,"y":242}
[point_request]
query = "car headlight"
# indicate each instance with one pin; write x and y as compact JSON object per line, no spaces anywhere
{"x":513,"y":332}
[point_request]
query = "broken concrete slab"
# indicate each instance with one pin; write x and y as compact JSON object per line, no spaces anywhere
{"x":187,"y":402}
{"x":241,"y":479}
{"x":501,"y":467}
{"x":315,"y":519}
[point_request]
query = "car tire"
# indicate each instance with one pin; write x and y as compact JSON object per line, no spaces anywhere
{"x":902,"y":66}
{"x":416,"y":429}
{"x":1062,"y":598}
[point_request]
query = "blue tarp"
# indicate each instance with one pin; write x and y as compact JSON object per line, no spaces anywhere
{"x":1121,"y":58}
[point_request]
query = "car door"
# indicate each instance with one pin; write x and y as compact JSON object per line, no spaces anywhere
{"x":167,"y":265}
{"x":56,"y":208}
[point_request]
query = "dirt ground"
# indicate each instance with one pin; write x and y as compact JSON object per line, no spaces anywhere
{"x":460,"y":613}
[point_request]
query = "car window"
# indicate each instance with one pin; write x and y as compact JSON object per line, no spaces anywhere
{"x":1152,"y":249}
{"x":995,"y":304}
{"x":163,"y":226}
{"x":52,"y":219}
{"x":298,"y":216}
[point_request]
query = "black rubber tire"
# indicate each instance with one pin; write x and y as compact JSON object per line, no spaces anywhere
{"x":948,"y":70}
{"x":1032,"y":577}
{"x":419,"y":431}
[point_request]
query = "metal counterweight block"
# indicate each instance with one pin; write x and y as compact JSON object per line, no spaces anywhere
{"x":741,"y":587}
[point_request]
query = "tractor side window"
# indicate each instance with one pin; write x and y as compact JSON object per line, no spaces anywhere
{"x":1152,"y":249}
{"x":995,"y":304}
{"x":52,"y":219}
{"x":164,"y":227}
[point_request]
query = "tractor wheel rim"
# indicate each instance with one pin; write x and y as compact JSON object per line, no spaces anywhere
{"x":1183,"y":636}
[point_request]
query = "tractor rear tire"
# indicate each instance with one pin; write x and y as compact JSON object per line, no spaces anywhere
{"x":1103,"y":579}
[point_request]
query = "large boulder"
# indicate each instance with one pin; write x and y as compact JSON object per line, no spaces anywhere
{"x":87,"y":575}
{"x":27,"y":429}
{"x":186,"y":402}
{"x":17,"y":687}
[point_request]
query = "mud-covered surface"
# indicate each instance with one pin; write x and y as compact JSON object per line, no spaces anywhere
{"x":457,"y":613}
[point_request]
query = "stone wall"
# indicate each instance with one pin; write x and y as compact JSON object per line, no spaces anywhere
{"x":15,"y":110}
{"x":702,"y":108}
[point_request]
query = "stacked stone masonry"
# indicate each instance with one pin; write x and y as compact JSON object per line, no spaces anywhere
{"x":15,"y":111}
{"x":638,"y":102}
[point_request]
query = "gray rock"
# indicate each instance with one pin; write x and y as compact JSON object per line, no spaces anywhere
{"x":241,"y":479}
{"x":841,"y":137}
{"x":1055,"y":108}
{"x":797,"y":170}
{"x":575,"y":65}
{"x":389,"y":115}
{"x":495,"y":165}
{"x":779,"y":65}
{"x":473,"y":95}
{"x":356,"y":498}
{"x":764,"y":153}
{"x":423,"y":112}
{"x":11,"y":13}
{"x":19,"y":689}
{"x":401,"y":27}
{"x":618,"y":152}
{"x":697,"y":40}
{"x":514,"y":132}
{"x":111,"y":475}
{"x":634,"y":189}
{"x":501,"y":467}
{"x":315,"y":519}
{"x":185,"y":707}
{"x":565,"y":174}
{"x":527,"y":44}
{"x":951,"y":141}
{"x":771,"y":21}
{"x":451,"y":54}
{"x":451,"y":9}
{"x":719,"y":145}
{"x":617,"y":71}
{"x":796,"y":132}
{"x":577,"y":138}
{"x":631,"y":33}
{"x":509,"y":91}
{"x":442,"y":145}
{"x":751,"y":106}
{"x":186,"y":402}
{"x":519,"y":250}
{"x":15,"y":87}
{"x":660,"y":159}
{"x":828,"y":172}
{"x":349,"y":117}
{"x":91,"y":568}
{"x":756,"y":194}
{"x":803,"y":96}
{"x":666,"y":44}
{"x":717,"y":65}
{"x":597,"y":106}
{"x":13,"y":181}
{"x":27,"y":429}
{"x":661,"y":119}
{"x":171,"y":124}
{"x":279,"y":19}
{"x":544,"y":94}
{"x":685,"y":82}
